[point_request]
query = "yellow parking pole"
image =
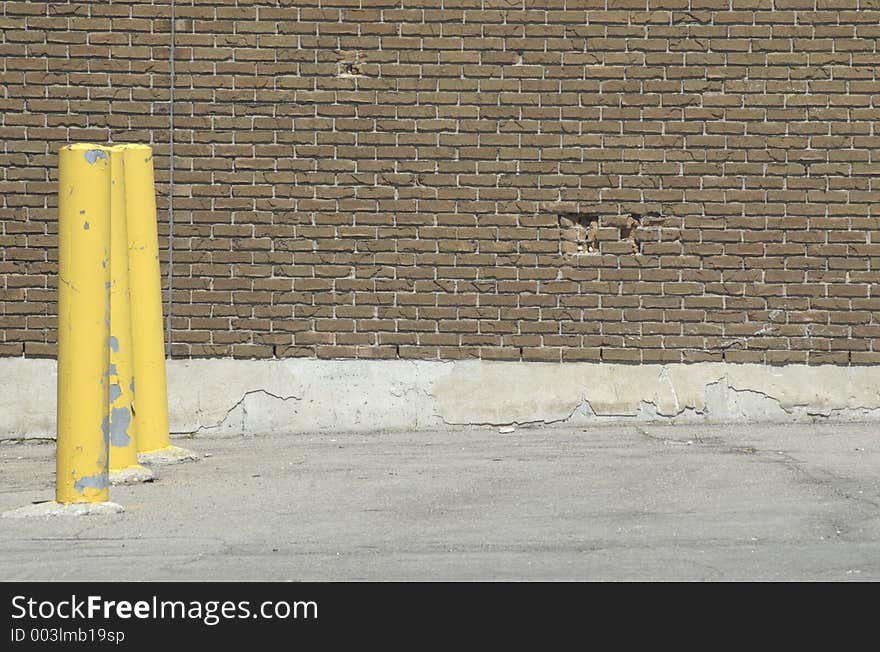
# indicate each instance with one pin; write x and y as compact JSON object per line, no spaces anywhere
{"x":83,"y":324}
{"x":124,"y":467}
{"x":150,"y":392}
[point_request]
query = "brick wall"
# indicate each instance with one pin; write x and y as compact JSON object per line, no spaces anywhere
{"x":622,"y":180}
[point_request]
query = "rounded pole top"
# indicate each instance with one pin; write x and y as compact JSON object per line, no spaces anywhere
{"x":80,"y":147}
{"x":91,"y":152}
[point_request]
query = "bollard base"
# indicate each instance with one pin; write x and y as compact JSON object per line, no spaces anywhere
{"x":169,"y":455}
{"x":134,"y":474}
{"x":52,"y":508}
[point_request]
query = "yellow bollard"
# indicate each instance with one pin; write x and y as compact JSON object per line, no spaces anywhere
{"x":81,"y":455}
{"x":124,"y":467}
{"x":83,"y":324}
{"x":150,"y":393}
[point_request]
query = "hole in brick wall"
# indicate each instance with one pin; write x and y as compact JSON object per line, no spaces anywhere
{"x":579,"y":233}
{"x":350,"y":64}
{"x":628,"y":232}
{"x":583,"y":233}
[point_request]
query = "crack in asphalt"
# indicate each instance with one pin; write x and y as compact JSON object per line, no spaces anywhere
{"x":825,"y":479}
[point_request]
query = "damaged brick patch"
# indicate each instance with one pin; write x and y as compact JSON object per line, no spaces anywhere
{"x":579,"y":233}
{"x":592,"y":233}
{"x":350,"y":64}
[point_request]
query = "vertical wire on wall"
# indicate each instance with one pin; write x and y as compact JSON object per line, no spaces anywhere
{"x":170,"y":183}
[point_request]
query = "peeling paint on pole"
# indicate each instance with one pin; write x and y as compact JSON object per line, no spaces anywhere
{"x":120,"y":421}
{"x":98,"y":482}
{"x":92,"y":156}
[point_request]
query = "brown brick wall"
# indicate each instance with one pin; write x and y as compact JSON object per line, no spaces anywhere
{"x":622,"y":180}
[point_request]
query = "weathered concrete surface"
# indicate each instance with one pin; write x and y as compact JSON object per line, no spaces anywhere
{"x":50,"y":508}
{"x":132,"y":475}
{"x":27,"y":397}
{"x":234,"y":397}
{"x":169,"y":455}
{"x":618,"y":502}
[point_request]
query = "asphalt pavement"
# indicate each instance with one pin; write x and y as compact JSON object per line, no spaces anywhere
{"x":614,"y":503}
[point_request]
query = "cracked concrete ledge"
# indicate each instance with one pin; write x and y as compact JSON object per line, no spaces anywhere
{"x":244,"y":397}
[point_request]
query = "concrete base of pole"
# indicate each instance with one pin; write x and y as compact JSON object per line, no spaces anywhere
{"x":169,"y":455}
{"x":52,"y":508}
{"x":134,"y":474}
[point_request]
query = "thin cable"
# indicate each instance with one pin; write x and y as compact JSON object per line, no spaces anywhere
{"x":170,"y":183}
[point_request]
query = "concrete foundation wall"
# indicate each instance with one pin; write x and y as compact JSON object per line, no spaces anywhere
{"x":249,"y":397}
